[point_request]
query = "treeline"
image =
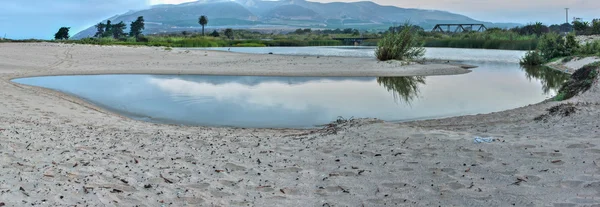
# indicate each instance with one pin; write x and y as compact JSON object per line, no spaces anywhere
{"x":519,"y":38}
{"x":552,"y":46}
{"x":200,"y":41}
{"x":348,"y":31}
{"x":105,"y":30}
{"x":587,"y":28}
{"x":117,"y":31}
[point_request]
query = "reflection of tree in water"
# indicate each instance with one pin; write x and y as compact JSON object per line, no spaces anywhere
{"x":403,"y":88}
{"x":551,"y":79}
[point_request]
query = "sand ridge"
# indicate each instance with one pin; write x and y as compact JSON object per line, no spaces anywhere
{"x":59,"y":151}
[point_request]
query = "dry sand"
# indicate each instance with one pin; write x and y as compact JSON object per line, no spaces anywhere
{"x":59,"y":151}
{"x":584,"y":39}
{"x":572,"y":65}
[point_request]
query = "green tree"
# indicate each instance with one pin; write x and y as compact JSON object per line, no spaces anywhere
{"x":136,"y":27}
{"x":571,"y":45}
{"x":552,"y":45}
{"x":596,"y":26}
{"x":100,"y":29}
{"x":538,"y":28}
{"x":215,"y":34}
{"x":118,"y":30}
{"x":580,"y":26}
{"x":107,"y":29}
{"x":229,"y":33}
{"x":203,"y":20}
{"x":62,"y":34}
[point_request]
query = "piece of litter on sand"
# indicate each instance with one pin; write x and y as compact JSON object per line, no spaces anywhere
{"x":478,"y":140}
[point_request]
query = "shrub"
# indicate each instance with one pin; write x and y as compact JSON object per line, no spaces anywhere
{"x":551,"y":45}
{"x":403,"y":45}
{"x":571,"y":45}
{"x":142,"y":39}
{"x":590,"y":48}
{"x":532,"y":58}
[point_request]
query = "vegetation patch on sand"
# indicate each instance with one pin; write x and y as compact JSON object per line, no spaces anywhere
{"x":403,"y":45}
{"x":562,"y":110}
{"x":581,"y":81}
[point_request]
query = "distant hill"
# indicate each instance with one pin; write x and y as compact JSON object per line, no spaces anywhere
{"x":284,"y":14}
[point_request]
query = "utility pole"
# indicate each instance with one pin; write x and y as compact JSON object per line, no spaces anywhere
{"x":567,"y":19}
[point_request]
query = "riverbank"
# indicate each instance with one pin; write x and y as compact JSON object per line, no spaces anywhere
{"x":60,"y":151}
{"x":572,"y":65}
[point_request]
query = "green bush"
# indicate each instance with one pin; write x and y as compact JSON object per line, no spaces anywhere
{"x":532,"y":58}
{"x":571,"y":45}
{"x":552,"y":45}
{"x":403,"y":45}
{"x":590,"y":48}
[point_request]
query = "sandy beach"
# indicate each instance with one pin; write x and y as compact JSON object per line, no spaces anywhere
{"x":57,"y":150}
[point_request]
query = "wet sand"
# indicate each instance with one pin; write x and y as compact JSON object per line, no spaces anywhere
{"x":57,"y":150}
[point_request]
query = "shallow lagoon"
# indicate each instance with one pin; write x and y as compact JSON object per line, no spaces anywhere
{"x":298,"y":102}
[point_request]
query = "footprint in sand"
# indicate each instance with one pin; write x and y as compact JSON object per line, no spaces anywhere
{"x":228,"y":183}
{"x":193,"y":200}
{"x":234,"y":167}
{"x":343,"y":174}
{"x":396,"y":185}
{"x":532,"y":178}
{"x":289,"y":170}
{"x":241,"y":203}
{"x":220,"y":194}
{"x":392,"y":202}
{"x":199,"y":186}
{"x":565,"y":204}
{"x":594,"y":185}
{"x":485,"y":157}
{"x":444,"y":170}
{"x":526,"y":146}
{"x":575,"y":146}
{"x":571,"y":183}
{"x":325,"y":191}
{"x":586,"y":201}
{"x":265,"y":189}
{"x":455,"y":185}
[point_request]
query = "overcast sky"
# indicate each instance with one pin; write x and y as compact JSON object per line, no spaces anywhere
{"x":41,"y":18}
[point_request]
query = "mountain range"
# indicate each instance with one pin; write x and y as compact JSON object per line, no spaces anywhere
{"x":284,"y":15}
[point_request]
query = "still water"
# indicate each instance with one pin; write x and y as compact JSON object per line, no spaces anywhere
{"x":455,"y":54}
{"x":299,"y":102}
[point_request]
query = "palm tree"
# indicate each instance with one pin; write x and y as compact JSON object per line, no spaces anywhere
{"x":203,"y":20}
{"x":538,"y":27}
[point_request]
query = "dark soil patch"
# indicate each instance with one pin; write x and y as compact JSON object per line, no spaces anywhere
{"x":581,"y":81}
{"x":562,"y":110}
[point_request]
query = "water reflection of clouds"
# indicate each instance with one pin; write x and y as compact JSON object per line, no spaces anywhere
{"x":343,"y":95}
{"x":248,"y":101}
{"x":485,"y":91}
